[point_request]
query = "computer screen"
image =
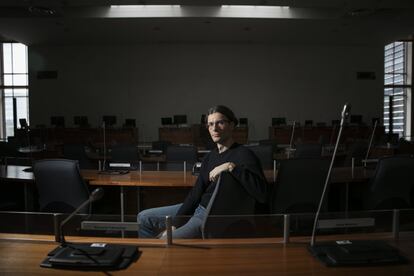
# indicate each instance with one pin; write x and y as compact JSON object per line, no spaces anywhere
{"x":80,"y":120}
{"x":180,"y":119}
{"x":308,"y":122}
{"x":109,"y":120}
{"x":356,"y":119}
{"x":130,"y":123}
{"x":58,"y":121}
{"x":335,"y":122}
{"x":278,"y":121}
{"x":243,"y":121}
{"x":376,"y":120}
{"x":23,"y":123}
{"x":166,"y":121}
{"x":203,"y":119}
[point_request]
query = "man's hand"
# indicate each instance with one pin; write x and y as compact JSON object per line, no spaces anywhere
{"x":214,"y":174}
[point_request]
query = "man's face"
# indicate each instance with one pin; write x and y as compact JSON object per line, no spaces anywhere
{"x":220,"y":128}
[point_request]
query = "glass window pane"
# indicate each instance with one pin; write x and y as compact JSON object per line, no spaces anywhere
{"x":15,"y":73}
{"x":7,"y":58}
{"x":22,"y":108}
{"x":20,"y":80}
{"x":22,"y":92}
{"x":19,"y":58}
{"x":8,"y":79}
{"x":8,"y":112}
{"x":8,"y":92}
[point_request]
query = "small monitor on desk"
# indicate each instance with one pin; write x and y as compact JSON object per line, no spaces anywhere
{"x":130,"y":123}
{"x":335,"y":122}
{"x":203,"y":119}
{"x":81,"y":121}
{"x":243,"y":122}
{"x":23,"y":123}
{"x":109,"y":120}
{"x":166,"y":121}
{"x":279,"y":121}
{"x":376,"y":120}
{"x":57,"y":121}
{"x":356,"y":119}
{"x":308,"y":123}
{"x":180,"y":119}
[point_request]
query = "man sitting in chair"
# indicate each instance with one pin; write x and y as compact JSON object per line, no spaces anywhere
{"x":227,"y":157}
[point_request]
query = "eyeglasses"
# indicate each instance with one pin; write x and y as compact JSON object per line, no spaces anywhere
{"x":219,"y":123}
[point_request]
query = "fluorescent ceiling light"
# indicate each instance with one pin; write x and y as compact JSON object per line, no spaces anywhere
{"x":224,"y":11}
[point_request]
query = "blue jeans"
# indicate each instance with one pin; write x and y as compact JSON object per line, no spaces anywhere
{"x":151,"y":222}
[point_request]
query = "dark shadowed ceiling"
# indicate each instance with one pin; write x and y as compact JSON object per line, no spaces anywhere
{"x":304,"y":21}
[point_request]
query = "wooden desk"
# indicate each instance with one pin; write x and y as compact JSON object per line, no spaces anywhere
{"x":164,"y":179}
{"x":169,"y":178}
{"x":22,"y":254}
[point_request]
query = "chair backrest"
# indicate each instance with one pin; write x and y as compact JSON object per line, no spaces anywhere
{"x":125,"y":153}
{"x":77,"y":152}
{"x":299,"y":185}
{"x":181,"y":153}
{"x":264,"y":153}
{"x":229,"y":199}
{"x":358,"y":151}
{"x":393,"y":183}
{"x":60,"y":185}
{"x":160,"y":145}
{"x":308,"y":150}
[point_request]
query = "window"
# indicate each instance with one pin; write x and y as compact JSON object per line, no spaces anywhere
{"x":14,"y":86}
{"x":397,"y":88}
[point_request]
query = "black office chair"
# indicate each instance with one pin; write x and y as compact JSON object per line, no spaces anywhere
{"x":299,"y":185}
{"x":60,"y":185}
{"x":160,"y":145}
{"x":176,"y":155}
{"x":392,"y":185}
{"x":357,"y":151}
{"x":233,"y":206}
{"x":78,"y":152}
{"x":264,"y":153}
{"x":305,"y":150}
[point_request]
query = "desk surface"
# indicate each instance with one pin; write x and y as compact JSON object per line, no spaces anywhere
{"x":18,"y":256}
{"x":169,"y":178}
{"x":145,"y":179}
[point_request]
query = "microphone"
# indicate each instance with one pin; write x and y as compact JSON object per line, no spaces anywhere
{"x":344,"y":115}
{"x":89,"y":256}
{"x":95,"y":195}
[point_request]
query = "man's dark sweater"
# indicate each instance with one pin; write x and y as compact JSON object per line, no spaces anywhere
{"x":248,"y":172}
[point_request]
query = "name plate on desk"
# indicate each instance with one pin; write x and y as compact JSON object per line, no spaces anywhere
{"x":346,"y":223}
{"x":122,"y":166}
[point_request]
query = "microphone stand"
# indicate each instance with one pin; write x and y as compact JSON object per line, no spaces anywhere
{"x":95,"y":256}
{"x":61,"y":235}
{"x":344,"y":115}
{"x":348,"y":252}
{"x":370,"y":141}
{"x":291,"y":139}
